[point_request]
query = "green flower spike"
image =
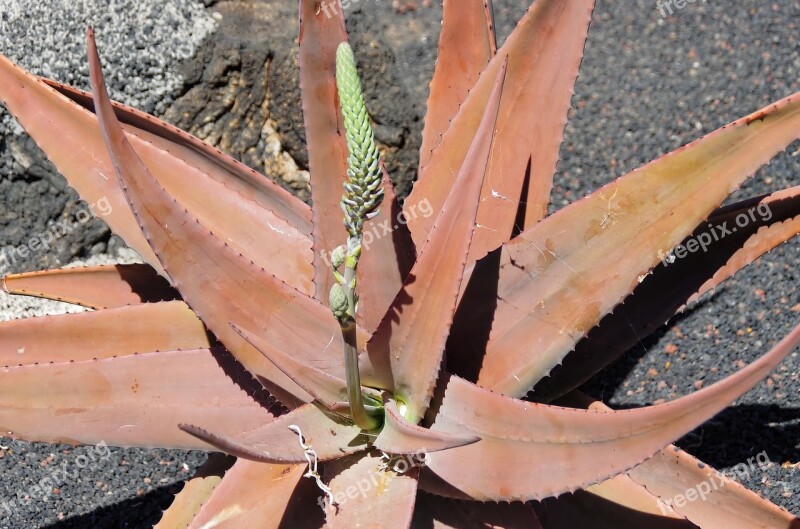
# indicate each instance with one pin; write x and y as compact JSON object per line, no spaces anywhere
{"x":363,"y":195}
{"x":363,"y":189}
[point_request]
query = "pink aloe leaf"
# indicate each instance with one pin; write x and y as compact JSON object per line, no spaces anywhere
{"x":257,"y":495}
{"x":96,"y":287}
{"x":765,"y":233}
{"x":218,"y":283}
{"x":654,"y":486}
{"x":326,"y":389}
{"x":209,"y":160}
{"x":550,"y":294}
{"x":368,"y":495}
{"x":623,"y":500}
{"x":145,"y":328}
{"x":132,"y":401}
{"x":569,"y":448}
{"x":399,"y":436}
{"x":445,"y":513}
{"x":719,"y":500}
{"x":543,"y":54}
{"x":672,"y":286}
{"x":320,"y":34}
{"x":466,"y":45}
{"x":673,"y":472}
{"x":328,"y":435}
{"x":299,"y":514}
{"x":226,"y":444}
{"x":389,"y":252}
{"x":78,"y":152}
{"x":413,"y":334}
{"x":195,"y":493}
{"x":584,"y":510}
{"x":629,"y":498}
{"x":21,"y":92}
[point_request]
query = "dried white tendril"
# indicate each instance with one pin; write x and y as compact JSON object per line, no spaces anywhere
{"x":313,"y":462}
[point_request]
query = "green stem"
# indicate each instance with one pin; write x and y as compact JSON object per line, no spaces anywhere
{"x":362,"y":419}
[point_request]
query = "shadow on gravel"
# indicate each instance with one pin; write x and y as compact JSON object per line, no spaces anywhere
{"x":731,"y":437}
{"x":740,"y":432}
{"x":142,"y":512}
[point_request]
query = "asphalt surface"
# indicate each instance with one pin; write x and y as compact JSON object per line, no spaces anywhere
{"x":648,"y":85}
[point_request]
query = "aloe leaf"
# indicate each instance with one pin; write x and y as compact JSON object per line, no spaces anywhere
{"x":210,"y":161}
{"x":330,"y":437}
{"x":623,"y":498}
{"x":672,"y":472}
{"x":227,"y":444}
{"x":569,"y":448}
{"x":764,"y":234}
{"x":672,"y":286}
{"x":195,"y":493}
{"x":445,"y":513}
{"x":78,"y":153}
{"x":399,"y":436}
{"x":389,"y":252}
{"x":550,"y":292}
{"x":145,"y":328}
{"x":466,"y":45}
{"x":249,"y":495}
{"x":727,"y":503}
{"x":232,"y":201}
{"x":188,"y":502}
{"x":413,"y":335}
{"x":26,"y":97}
{"x":327,"y":148}
{"x":543,"y":53}
{"x":96,"y":287}
{"x":583,"y":510}
{"x":217,"y":282}
{"x":389,"y":255}
{"x":129,"y":401}
{"x":326,"y":389}
{"x":386,"y":503}
{"x":651,"y":488}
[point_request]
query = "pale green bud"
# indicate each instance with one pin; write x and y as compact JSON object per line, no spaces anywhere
{"x":338,"y":301}
{"x":337,"y":256}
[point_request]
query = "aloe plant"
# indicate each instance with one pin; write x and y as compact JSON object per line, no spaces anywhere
{"x":395,"y":374}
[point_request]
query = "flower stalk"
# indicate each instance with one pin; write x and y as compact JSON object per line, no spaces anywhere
{"x":362,"y":197}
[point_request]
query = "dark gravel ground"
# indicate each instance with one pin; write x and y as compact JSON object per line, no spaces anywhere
{"x":647,"y":85}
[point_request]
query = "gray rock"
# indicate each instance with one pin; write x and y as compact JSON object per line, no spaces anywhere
{"x":143,"y":41}
{"x":243,"y":87}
